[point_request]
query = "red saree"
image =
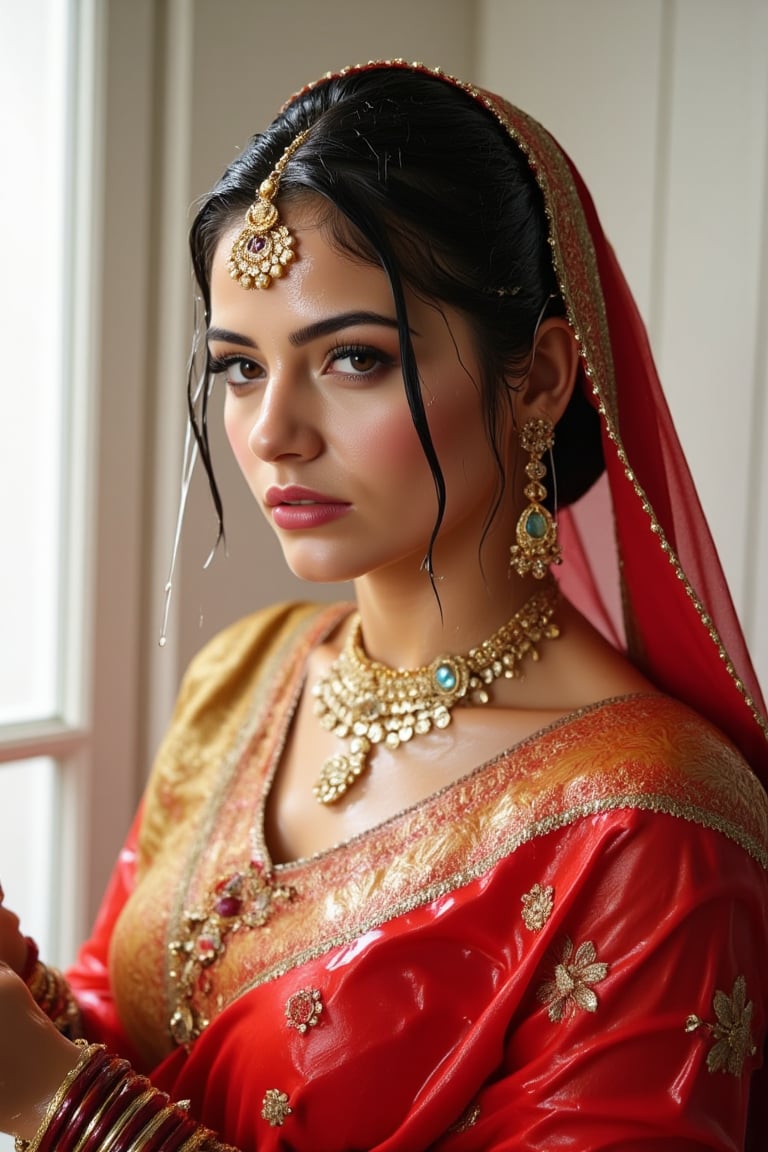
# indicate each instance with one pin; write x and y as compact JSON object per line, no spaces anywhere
{"x":515,"y":963}
{"x":565,"y":949}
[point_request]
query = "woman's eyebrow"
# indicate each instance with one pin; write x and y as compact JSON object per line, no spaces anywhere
{"x":227,"y":336}
{"x":335,"y":323}
{"x":311,"y":331}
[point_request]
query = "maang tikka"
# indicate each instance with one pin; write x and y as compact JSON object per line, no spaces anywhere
{"x":264,"y":247}
{"x":536,"y":544}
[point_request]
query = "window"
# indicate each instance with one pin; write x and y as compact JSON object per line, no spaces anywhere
{"x":42,"y":577}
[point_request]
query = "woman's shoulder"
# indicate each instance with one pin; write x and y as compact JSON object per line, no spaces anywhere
{"x":652,"y":752}
{"x":226,"y":691}
{"x":244,"y":650}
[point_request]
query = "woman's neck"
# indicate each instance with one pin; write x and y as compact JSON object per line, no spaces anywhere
{"x":407,"y":623}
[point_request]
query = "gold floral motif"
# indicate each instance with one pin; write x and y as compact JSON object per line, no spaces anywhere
{"x":302,"y":1010}
{"x":571,"y":987}
{"x":732,"y":1033}
{"x":275,"y":1107}
{"x":537,"y":907}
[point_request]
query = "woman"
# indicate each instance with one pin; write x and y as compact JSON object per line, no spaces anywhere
{"x":466,"y":868}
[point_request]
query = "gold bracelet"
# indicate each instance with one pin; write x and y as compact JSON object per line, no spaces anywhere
{"x":52,"y":994}
{"x":37,"y":982}
{"x":148,"y":1131}
{"x":123,"y":1121}
{"x":94,"y":1121}
{"x":55,"y":1102}
{"x":197,"y":1140}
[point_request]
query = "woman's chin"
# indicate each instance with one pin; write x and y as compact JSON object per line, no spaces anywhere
{"x":324,"y":570}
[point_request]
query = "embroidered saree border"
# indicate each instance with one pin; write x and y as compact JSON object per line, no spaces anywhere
{"x":275,"y":678}
{"x":658,"y":804}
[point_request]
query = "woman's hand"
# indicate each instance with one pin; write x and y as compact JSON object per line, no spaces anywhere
{"x":34,"y":1058}
{"x":13,"y":946}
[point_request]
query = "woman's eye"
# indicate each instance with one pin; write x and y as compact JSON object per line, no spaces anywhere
{"x":237,"y":371}
{"x":356,"y":361}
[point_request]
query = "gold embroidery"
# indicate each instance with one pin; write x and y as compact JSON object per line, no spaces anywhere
{"x":570,"y":988}
{"x":537,"y":907}
{"x":545,"y":784}
{"x":732,"y":1033}
{"x":468,"y":1119}
{"x":275,"y":1107}
{"x":241,"y":901}
{"x":642,"y":753}
{"x":303,"y":1009}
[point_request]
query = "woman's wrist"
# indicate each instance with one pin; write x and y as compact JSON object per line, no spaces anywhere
{"x":103,"y":1103}
{"x":52,"y":993}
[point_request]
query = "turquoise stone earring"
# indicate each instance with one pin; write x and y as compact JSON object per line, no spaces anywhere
{"x":536,"y":545}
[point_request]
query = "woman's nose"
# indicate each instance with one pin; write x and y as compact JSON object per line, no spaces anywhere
{"x":285,"y":424}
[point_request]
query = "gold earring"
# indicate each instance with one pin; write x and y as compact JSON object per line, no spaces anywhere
{"x":536,"y":532}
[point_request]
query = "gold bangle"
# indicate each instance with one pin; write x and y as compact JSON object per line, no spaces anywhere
{"x":51,"y":992}
{"x":94,"y":1121}
{"x":122,"y":1122}
{"x":37,"y":981}
{"x":55,"y":1102}
{"x":148,"y":1131}
{"x":205,"y":1141}
{"x":197,"y":1140}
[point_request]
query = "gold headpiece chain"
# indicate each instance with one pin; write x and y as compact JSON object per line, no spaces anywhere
{"x":367,"y":703}
{"x":264,"y":247}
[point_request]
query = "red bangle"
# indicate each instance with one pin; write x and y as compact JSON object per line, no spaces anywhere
{"x":136,"y":1115}
{"x":122,"y":1097}
{"x":157,"y":1141}
{"x":70,"y":1102}
{"x":100,"y":1090}
{"x":185,"y":1130}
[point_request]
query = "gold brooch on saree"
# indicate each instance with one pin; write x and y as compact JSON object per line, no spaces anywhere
{"x":242,"y":900}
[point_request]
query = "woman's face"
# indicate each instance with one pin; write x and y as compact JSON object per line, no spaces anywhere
{"x":318,"y":420}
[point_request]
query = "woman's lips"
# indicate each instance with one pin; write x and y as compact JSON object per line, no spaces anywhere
{"x":295,"y":508}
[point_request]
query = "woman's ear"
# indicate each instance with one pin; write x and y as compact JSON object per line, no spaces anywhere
{"x":547,"y":388}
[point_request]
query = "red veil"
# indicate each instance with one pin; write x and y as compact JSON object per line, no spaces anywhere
{"x":679,"y":622}
{"x":639,"y":559}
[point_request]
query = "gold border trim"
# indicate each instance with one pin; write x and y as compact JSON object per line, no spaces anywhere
{"x":659,"y":804}
{"x":280,"y":671}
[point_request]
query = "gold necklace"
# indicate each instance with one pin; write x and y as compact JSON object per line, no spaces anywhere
{"x":367,"y":703}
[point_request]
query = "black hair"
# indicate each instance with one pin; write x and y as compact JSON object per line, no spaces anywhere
{"x":423,"y":181}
